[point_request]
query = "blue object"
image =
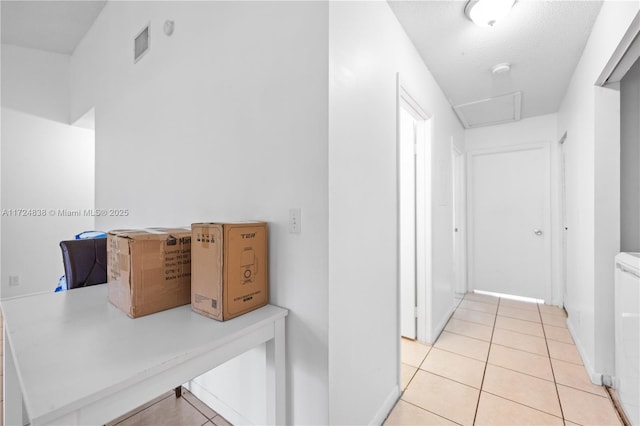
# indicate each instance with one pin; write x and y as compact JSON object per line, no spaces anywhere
{"x":85,"y":235}
{"x":62,"y":284}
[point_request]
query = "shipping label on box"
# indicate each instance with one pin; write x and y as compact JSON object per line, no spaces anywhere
{"x":149,"y":270}
{"x":229,"y":268}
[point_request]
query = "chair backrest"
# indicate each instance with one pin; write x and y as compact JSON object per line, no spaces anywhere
{"x":85,"y":262}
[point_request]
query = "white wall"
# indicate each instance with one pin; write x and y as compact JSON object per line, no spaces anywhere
{"x":630,"y":160}
{"x":36,"y":82}
{"x":592,"y":175}
{"x":541,"y":129}
{"x":227,"y":118}
{"x":46,"y":165}
{"x":367,"y":47}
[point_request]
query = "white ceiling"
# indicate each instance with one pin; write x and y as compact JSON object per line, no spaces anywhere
{"x":51,"y":25}
{"x":542,"y":40}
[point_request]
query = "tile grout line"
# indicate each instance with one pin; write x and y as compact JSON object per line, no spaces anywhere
{"x":553,"y":374}
{"x":429,"y":411}
{"x":523,"y":373}
{"x":471,"y":322}
{"x":524,"y":405}
{"x":476,"y":310}
{"x":450,"y":379}
{"x":135,"y":413}
{"x":522,"y":319}
{"x":465,"y":335}
{"x":415,"y":372}
{"x":486,"y":363}
{"x":535,"y":353}
{"x":409,"y":383}
{"x":462,"y":355}
{"x":196,"y":408}
{"x":521,"y":332}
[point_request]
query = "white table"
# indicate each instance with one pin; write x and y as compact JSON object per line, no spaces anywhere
{"x":73,"y":358}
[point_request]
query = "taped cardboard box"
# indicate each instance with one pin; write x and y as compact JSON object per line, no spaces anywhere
{"x":149,"y":270}
{"x":229,"y":268}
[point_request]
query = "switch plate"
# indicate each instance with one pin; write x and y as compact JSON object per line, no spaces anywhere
{"x":14,"y":280}
{"x":294,"y":220}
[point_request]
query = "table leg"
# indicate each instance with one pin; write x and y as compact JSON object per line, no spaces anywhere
{"x":13,"y":410}
{"x":276,"y":376}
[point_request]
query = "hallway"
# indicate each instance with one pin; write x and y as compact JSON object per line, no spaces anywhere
{"x":500,"y":361}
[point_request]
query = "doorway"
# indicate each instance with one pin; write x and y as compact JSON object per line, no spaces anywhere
{"x":414,"y":216}
{"x":408,"y":218}
{"x":509,"y":221}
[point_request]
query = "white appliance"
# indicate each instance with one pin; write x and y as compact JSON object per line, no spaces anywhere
{"x":627,"y":329}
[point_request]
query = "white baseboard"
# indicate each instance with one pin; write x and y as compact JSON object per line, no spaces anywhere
{"x":435,"y":333}
{"x":387,"y":406}
{"x":594,"y":376}
{"x":217,"y":405}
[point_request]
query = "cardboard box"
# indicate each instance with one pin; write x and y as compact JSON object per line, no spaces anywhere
{"x":149,"y":270}
{"x":229,"y":268}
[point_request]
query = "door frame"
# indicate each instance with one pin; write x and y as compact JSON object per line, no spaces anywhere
{"x":410,"y":126}
{"x":545,"y":146}
{"x":458,"y":184}
{"x":423,"y":225}
{"x":562,"y":214}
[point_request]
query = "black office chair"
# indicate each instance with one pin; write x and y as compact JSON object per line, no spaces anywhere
{"x":85,"y":264}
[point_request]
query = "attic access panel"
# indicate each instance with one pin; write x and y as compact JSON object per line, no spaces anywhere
{"x":487,"y":112}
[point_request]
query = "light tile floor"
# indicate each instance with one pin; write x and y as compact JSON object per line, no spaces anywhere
{"x":500,"y":362}
{"x":170,"y":411}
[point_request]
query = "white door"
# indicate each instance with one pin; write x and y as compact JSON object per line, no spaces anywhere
{"x":509,"y":218}
{"x":407,"y":176}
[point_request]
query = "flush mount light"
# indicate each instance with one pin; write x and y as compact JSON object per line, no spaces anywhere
{"x":485,"y":13}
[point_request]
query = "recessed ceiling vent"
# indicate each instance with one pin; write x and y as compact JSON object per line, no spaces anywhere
{"x":141,"y":44}
{"x":498,"y":110}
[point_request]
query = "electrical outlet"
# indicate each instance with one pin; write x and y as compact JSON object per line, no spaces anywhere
{"x":294,"y":220}
{"x":14,"y":280}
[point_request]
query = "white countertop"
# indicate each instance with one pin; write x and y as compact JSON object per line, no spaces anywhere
{"x":75,"y":346}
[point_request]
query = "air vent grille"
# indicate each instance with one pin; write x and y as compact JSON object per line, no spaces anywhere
{"x":141,"y":44}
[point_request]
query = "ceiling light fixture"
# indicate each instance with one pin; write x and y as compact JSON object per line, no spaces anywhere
{"x":485,"y":13}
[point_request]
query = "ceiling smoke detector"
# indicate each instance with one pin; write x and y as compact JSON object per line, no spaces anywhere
{"x":503,"y":68}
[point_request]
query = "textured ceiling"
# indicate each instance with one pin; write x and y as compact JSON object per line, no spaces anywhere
{"x":54,"y":26}
{"x":542,"y":40}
